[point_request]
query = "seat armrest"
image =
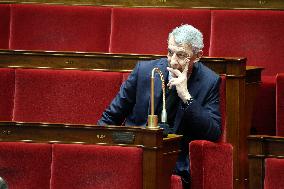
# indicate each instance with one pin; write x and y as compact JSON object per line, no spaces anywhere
{"x":211,"y":164}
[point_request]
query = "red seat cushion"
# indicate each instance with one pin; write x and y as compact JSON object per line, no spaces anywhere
{"x":63,"y":96}
{"x":280,"y":105}
{"x":60,"y":28}
{"x":145,"y":30}
{"x":7,"y":88}
{"x":4,"y":26}
{"x":96,"y":167}
{"x":25,"y":165}
{"x":255,"y":34}
{"x":274,"y":173}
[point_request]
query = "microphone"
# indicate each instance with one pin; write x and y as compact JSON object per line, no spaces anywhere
{"x":153,"y":119}
{"x":3,"y":184}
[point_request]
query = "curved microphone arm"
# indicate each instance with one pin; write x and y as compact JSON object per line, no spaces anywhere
{"x":153,"y":119}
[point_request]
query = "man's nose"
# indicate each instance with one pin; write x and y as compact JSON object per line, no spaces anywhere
{"x":174,"y":60}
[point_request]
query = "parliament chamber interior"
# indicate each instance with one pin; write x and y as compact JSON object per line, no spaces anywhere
{"x":62,"y":62}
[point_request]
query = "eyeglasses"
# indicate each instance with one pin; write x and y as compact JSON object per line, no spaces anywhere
{"x":180,"y":54}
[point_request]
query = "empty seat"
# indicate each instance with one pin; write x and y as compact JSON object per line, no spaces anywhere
{"x":96,"y":167}
{"x":145,"y":30}
{"x":25,"y":165}
{"x":60,"y":28}
{"x":63,"y":96}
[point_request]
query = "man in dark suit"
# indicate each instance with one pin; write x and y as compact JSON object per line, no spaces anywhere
{"x":192,"y":95}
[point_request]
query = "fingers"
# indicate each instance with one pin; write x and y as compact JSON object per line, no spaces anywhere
{"x":170,"y":83}
{"x":175,"y":72}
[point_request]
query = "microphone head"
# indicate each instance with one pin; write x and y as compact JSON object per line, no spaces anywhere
{"x":3,"y":184}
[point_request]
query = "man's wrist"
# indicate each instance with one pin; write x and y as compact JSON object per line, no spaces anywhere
{"x":187,"y":102}
{"x":187,"y":97}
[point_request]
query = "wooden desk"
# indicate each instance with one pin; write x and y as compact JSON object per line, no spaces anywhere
{"x":159,"y":154}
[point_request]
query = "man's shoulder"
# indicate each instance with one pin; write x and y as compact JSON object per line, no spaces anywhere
{"x":205,"y":71}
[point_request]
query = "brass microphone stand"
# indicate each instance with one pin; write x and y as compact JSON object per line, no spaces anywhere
{"x":152,"y":118}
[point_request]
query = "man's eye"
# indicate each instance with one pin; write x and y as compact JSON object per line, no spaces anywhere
{"x":170,"y":52}
{"x":181,"y":55}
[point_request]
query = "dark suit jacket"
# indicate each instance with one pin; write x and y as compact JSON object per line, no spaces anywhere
{"x":200,"y":120}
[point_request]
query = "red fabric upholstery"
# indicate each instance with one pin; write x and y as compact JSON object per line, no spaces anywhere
{"x":63,"y":96}
{"x":176,"y":182}
{"x":125,"y":76}
{"x":280,"y":104}
{"x":211,"y":165}
{"x":25,"y":165}
{"x":251,"y":34}
{"x":7,"y":88}
{"x":96,"y":167}
{"x":142,"y":30}
{"x":263,"y":117}
{"x":60,"y":28}
{"x":4,"y":26}
{"x":274,"y":173}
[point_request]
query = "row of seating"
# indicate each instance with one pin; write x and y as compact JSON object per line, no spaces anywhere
{"x":255,"y":34}
{"x":69,"y":166}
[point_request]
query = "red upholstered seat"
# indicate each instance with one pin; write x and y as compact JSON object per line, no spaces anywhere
{"x":145,"y":31}
{"x":4,"y":26}
{"x":257,"y":35}
{"x":63,"y":96}
{"x":274,"y":173}
{"x":25,"y":165}
{"x":211,"y":164}
{"x":280,"y":104}
{"x":60,"y":28}
{"x":96,"y":167}
{"x":7,"y":88}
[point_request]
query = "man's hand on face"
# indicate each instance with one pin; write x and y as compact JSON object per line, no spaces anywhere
{"x":180,"y":81}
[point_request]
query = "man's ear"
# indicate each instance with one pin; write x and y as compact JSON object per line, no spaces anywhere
{"x":199,"y":54}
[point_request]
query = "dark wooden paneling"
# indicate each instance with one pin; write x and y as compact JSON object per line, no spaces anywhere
{"x":182,"y":4}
